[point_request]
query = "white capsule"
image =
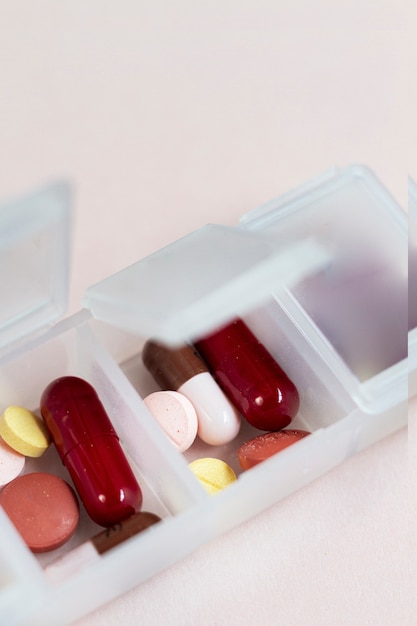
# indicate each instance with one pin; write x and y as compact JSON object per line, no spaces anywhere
{"x":218,"y":420}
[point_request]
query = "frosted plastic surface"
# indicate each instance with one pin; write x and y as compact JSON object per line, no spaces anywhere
{"x":200,"y":281}
{"x":34,"y":256}
{"x":19,"y":573}
{"x":354,"y":311}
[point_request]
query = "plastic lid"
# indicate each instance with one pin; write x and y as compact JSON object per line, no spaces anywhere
{"x":186,"y":289}
{"x":34,"y":258}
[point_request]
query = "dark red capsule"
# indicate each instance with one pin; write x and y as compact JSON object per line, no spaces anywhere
{"x":89,"y":448}
{"x":250,"y":376}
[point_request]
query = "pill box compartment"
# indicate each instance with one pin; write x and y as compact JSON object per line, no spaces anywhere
{"x":353,"y":311}
{"x":331,"y":306}
{"x":337,"y":401}
{"x":35,"y":352}
{"x":168,"y":489}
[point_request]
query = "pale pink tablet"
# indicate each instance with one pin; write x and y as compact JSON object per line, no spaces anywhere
{"x":11,"y":463}
{"x":176,"y":415}
{"x":43,"y":508}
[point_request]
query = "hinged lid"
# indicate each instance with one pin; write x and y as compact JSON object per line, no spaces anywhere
{"x":34,"y":258}
{"x":200,"y":281}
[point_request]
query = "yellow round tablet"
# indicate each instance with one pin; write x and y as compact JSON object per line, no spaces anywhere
{"x":213,"y":474}
{"x":24,"y":431}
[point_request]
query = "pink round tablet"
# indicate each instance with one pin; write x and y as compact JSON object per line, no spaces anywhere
{"x":176,"y":415}
{"x":11,"y":463}
{"x":43,"y":508}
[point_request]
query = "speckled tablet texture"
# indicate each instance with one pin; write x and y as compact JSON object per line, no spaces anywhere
{"x":266,"y":445}
{"x":176,"y":415}
{"x":213,"y":474}
{"x":43,"y":508}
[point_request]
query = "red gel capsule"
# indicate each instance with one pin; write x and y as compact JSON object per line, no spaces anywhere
{"x":250,"y":376}
{"x":89,"y":448}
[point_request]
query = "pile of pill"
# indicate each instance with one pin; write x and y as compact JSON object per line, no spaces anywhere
{"x":205,"y":391}
{"x":43,"y":507}
{"x":206,"y":388}
{"x":226,"y":375}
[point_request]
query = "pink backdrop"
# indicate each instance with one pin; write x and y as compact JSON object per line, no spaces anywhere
{"x":169,"y":116}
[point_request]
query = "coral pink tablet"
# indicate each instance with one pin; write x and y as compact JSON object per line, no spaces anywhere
{"x":43,"y":508}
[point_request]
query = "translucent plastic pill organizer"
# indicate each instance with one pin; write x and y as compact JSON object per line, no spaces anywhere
{"x":318,"y":274}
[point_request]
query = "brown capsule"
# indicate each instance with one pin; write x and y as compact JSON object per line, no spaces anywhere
{"x":171,"y":367}
{"x":131,"y":526}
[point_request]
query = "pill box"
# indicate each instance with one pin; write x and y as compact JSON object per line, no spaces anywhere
{"x":320,"y":276}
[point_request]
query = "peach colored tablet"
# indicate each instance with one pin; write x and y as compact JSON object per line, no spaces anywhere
{"x":43,"y":508}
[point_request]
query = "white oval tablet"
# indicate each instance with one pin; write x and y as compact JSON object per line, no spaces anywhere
{"x":11,"y":463}
{"x":176,"y":415}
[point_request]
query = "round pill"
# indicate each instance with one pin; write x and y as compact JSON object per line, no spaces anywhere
{"x":11,"y":463}
{"x":266,"y":445}
{"x":213,"y":474}
{"x":24,"y":431}
{"x":43,"y":508}
{"x":176,"y":415}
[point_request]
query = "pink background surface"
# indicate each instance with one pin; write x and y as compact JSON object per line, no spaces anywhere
{"x":168,"y":116}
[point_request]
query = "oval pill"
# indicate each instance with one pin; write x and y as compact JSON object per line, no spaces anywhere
{"x":133,"y":525}
{"x":176,"y":416}
{"x":250,"y":376}
{"x":11,"y":463}
{"x":43,"y":508}
{"x":24,"y":431}
{"x":182,"y":369}
{"x":266,"y":445}
{"x":89,"y":448}
{"x":214,"y":474}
